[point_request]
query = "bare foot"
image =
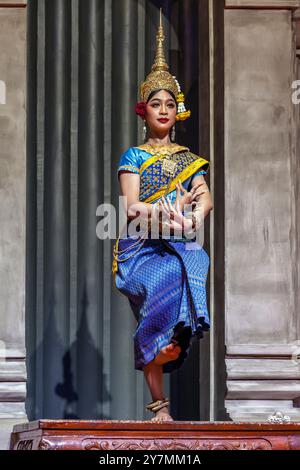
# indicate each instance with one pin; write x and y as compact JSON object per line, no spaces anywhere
{"x":169,"y":353}
{"x":162,"y":415}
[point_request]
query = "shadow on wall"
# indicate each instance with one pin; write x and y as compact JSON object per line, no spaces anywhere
{"x":65,"y":394}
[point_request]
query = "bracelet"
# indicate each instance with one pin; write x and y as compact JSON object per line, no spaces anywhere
{"x":196,"y":216}
{"x":189,"y":232}
{"x":197,"y":221}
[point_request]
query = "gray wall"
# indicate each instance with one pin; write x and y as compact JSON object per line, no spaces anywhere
{"x":12,"y":219}
{"x":262,"y":212}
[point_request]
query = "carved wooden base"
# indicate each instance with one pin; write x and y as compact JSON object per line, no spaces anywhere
{"x":144,"y":435}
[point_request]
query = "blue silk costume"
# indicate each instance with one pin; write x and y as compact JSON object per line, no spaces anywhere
{"x":163,"y":281}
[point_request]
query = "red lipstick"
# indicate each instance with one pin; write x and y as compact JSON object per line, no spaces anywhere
{"x":163,"y":120}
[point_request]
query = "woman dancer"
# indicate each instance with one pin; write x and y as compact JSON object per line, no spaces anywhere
{"x":164,"y":278}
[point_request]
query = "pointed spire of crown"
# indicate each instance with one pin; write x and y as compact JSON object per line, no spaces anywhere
{"x":160,"y":60}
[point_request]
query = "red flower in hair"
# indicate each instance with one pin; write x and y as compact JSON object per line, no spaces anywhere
{"x":140,"y":109}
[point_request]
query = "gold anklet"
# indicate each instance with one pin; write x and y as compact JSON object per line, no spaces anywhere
{"x":155,"y":406}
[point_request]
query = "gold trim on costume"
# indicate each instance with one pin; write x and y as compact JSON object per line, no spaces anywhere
{"x":157,"y":149}
{"x":186,"y":173}
{"x":155,"y":182}
{"x":159,"y":152}
{"x":115,"y":262}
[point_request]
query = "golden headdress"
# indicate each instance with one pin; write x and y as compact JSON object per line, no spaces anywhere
{"x":160,"y":77}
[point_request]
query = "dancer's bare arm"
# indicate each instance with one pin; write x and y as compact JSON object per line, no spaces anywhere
{"x":200,"y":187}
{"x":130,"y":189}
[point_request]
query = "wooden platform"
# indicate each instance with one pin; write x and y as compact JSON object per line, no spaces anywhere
{"x":144,"y":435}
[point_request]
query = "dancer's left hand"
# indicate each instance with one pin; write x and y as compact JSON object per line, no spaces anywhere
{"x":173,"y":217}
{"x":189,"y":197}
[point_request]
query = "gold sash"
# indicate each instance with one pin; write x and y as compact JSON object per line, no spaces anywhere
{"x":158,"y":179}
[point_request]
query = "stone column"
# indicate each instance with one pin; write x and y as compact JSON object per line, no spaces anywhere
{"x":12,"y":216}
{"x":262,"y":211}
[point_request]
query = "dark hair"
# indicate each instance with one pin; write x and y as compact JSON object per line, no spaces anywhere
{"x":159,"y":89}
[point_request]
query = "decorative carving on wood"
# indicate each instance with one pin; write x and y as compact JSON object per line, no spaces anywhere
{"x":25,"y":445}
{"x":176,"y":444}
{"x":143,"y":435}
{"x":45,"y":445}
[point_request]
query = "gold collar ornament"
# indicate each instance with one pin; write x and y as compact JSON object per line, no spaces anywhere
{"x":162,"y":150}
{"x":160,"y":77}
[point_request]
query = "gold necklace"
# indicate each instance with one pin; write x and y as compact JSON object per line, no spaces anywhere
{"x":162,"y":149}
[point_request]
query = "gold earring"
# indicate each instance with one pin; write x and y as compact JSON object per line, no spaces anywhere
{"x":144,"y":132}
{"x":173,"y":134}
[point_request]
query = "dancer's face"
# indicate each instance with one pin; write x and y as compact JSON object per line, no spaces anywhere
{"x":161,"y":113}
